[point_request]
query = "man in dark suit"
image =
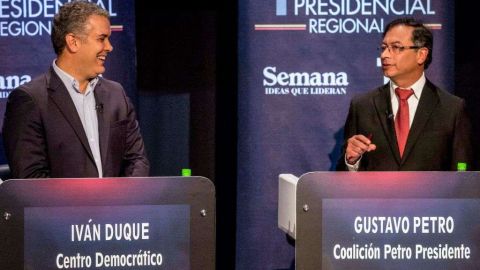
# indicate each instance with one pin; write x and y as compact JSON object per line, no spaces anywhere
{"x":71,"y":122}
{"x":408,"y":124}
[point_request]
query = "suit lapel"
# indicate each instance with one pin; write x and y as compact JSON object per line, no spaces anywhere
{"x":58,"y":93}
{"x":384,"y":109}
{"x":101,"y":95}
{"x":428,"y":102}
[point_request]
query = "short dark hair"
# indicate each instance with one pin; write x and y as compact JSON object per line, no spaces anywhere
{"x":72,"y":18}
{"x":421,"y":35}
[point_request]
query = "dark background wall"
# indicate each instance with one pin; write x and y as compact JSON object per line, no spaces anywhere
{"x":187,"y":83}
{"x":467,"y":65}
{"x":187,"y":87}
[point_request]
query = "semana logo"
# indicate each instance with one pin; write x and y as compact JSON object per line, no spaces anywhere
{"x":10,"y":82}
{"x":304,"y":83}
{"x":34,"y":17}
{"x":343,"y":16}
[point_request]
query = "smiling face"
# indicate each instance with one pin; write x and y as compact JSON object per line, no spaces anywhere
{"x":405,"y":66}
{"x":93,"y":48}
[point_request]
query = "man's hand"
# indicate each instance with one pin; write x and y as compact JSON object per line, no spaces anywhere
{"x":357,"y":145}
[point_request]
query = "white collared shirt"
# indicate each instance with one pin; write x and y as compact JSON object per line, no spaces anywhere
{"x":85,"y":106}
{"x":417,"y":88}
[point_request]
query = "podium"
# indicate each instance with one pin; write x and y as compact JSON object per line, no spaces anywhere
{"x":108,"y":223}
{"x":383,"y":220}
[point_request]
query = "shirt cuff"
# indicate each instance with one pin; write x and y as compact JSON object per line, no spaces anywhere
{"x":354,"y":167}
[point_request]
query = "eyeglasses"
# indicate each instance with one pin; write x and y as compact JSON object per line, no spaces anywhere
{"x":396,"y":49}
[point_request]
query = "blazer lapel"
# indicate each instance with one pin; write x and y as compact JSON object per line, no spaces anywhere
{"x":58,"y":93}
{"x":384,"y":112}
{"x":101,"y":96}
{"x":428,"y":101}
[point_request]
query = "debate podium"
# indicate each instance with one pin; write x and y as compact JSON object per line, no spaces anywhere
{"x":108,"y":223}
{"x":382,"y":220}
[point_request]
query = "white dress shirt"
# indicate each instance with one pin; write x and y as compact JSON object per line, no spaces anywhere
{"x":85,"y":105}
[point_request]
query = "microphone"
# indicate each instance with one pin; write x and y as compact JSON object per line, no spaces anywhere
{"x":389,"y":115}
{"x":99,"y":108}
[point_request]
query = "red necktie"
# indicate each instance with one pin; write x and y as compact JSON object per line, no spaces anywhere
{"x":402,"y":119}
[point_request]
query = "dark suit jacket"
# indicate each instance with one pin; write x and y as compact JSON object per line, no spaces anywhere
{"x":439,"y":137}
{"x":44,"y":136}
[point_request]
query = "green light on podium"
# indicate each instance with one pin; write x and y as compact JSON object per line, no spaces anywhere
{"x":461,"y":166}
{"x":186,"y":172}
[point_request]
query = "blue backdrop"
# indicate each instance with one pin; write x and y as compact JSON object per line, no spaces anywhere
{"x":26,"y":50}
{"x":300,"y":64}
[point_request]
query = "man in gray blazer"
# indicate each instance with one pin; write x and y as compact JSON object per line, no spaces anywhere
{"x":71,"y":122}
{"x":408,"y":124}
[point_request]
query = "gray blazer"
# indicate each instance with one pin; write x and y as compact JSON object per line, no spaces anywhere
{"x":44,"y":137}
